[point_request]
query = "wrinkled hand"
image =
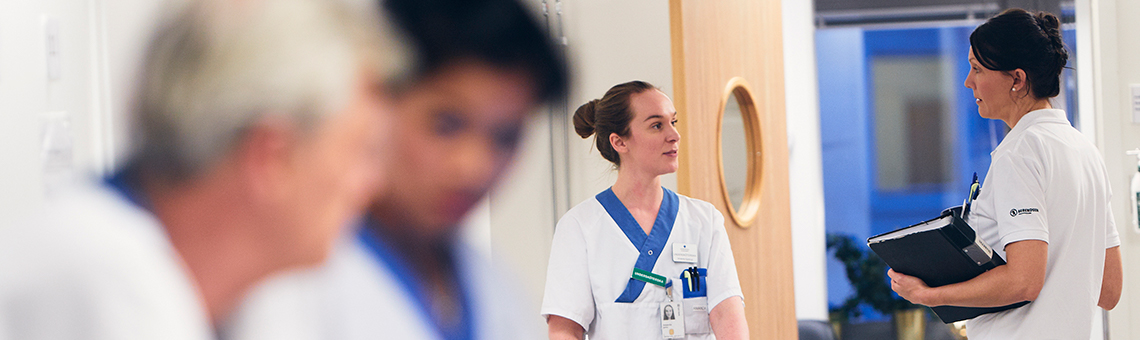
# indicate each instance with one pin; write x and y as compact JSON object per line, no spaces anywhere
{"x":910,"y":288}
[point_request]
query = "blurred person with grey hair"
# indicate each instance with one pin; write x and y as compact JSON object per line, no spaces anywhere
{"x":258,"y":129}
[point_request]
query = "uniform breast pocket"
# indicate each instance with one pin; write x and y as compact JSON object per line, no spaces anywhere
{"x":695,"y":300}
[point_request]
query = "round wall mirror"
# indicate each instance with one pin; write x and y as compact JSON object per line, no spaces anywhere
{"x":740,"y":152}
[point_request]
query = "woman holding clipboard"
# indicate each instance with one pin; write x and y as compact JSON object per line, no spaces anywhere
{"x":1045,"y":203}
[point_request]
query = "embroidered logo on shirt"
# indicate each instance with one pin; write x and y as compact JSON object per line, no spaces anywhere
{"x":1025,"y":211}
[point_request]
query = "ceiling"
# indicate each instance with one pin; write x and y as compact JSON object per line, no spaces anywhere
{"x":869,"y":12}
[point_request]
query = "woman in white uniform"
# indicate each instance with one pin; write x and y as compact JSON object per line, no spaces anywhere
{"x":1044,"y":206}
{"x":620,"y":260}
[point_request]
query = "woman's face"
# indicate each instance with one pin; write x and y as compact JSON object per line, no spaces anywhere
{"x":653,"y":139}
{"x":993,"y":90}
{"x":455,"y":134}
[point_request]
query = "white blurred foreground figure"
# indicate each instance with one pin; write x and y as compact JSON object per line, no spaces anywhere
{"x":257,"y":126}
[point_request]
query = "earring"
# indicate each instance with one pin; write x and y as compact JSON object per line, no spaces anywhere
{"x":1014,"y":89}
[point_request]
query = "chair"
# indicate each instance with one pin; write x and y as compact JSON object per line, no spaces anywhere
{"x":815,"y":330}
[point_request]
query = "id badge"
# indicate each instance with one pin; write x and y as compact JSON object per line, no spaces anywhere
{"x":672,"y":320}
{"x":684,"y":253}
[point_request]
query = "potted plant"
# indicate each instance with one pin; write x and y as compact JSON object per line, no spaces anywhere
{"x":868,"y":276}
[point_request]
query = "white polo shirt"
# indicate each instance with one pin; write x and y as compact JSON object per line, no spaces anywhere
{"x":1048,"y":182}
{"x":596,"y":246}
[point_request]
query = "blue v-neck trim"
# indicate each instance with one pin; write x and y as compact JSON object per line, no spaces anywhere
{"x":649,"y":247}
{"x":414,"y":286}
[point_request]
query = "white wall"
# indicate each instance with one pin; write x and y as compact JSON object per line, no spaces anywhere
{"x":98,"y":44}
{"x":27,"y":95}
{"x":1115,"y":42}
{"x":612,"y":42}
{"x":804,"y":159}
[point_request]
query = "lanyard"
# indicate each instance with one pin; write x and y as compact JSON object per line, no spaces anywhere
{"x":649,"y":277}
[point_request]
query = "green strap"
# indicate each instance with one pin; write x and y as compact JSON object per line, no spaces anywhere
{"x":648,"y":277}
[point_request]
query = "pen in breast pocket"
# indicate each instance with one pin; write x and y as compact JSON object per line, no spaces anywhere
{"x":696,"y":279}
{"x":688,"y":278}
{"x":975,"y":189}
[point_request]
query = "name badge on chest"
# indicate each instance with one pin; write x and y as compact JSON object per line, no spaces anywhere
{"x":672,"y":320}
{"x":685,"y":253}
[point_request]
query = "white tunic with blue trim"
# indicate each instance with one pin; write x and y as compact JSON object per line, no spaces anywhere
{"x":596,"y":246}
{"x":357,"y":296}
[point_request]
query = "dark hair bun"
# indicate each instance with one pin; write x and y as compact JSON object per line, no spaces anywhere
{"x":1051,"y":25}
{"x":584,"y":118}
{"x":1047,"y":21}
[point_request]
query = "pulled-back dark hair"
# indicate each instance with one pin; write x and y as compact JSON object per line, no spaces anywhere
{"x":1016,"y":39}
{"x":607,"y":115}
{"x":501,"y":33}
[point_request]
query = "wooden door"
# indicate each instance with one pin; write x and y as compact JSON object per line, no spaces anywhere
{"x":712,"y":43}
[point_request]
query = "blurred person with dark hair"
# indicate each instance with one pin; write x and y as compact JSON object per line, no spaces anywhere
{"x":257,"y":126}
{"x":1045,"y":203}
{"x":482,"y":69}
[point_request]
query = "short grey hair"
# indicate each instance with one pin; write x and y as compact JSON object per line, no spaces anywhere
{"x":219,"y":66}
